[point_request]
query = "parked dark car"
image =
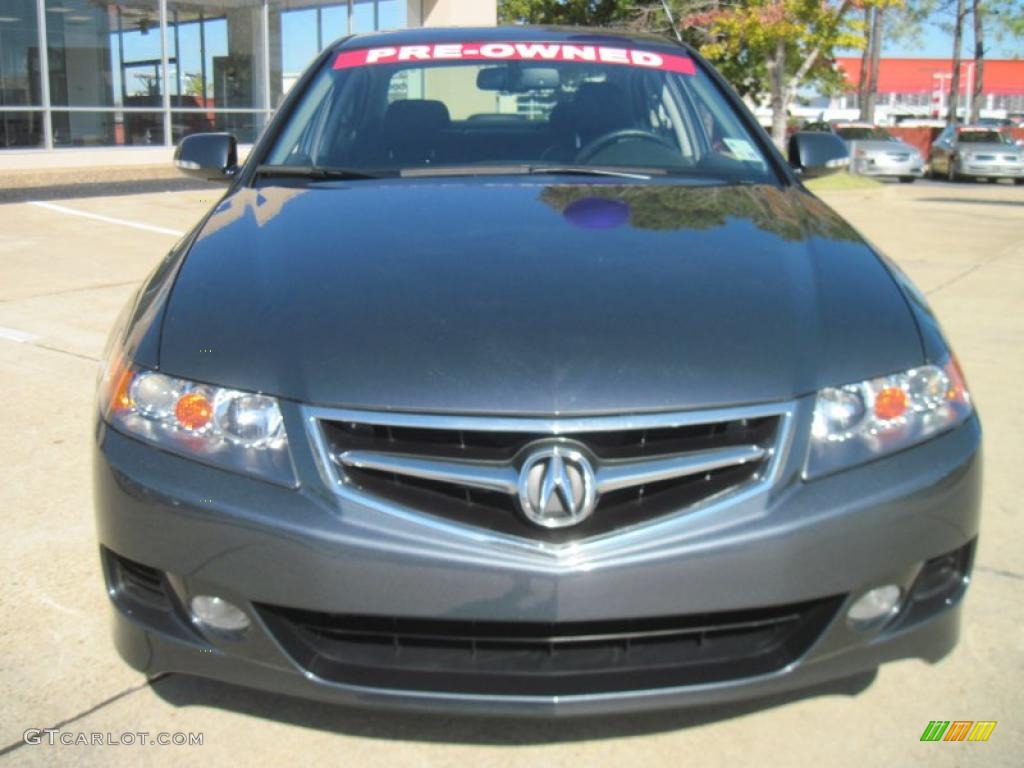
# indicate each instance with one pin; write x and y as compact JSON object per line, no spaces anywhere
{"x":517,"y":372}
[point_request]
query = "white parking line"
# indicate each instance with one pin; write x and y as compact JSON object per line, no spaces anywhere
{"x":13,"y":334}
{"x":106,"y":219}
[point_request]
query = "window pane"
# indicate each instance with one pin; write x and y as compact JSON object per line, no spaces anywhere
{"x":104,"y":54}
{"x":216,"y":53}
{"x":21,"y":129}
{"x":335,"y":22}
{"x":363,"y":16}
{"x":391,"y":14}
{"x":299,"y":30}
{"x":244,"y":126}
{"x":107,"y":129}
{"x":19,"y":54}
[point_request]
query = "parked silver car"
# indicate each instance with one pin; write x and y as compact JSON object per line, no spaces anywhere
{"x":876,"y":152}
{"x":976,"y":151}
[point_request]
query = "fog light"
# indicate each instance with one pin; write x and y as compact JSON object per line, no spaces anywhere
{"x":875,"y":605}
{"x":218,"y":614}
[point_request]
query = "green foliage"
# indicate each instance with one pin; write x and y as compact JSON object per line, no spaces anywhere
{"x":783,"y":213}
{"x":744,"y":39}
{"x":193,"y":85}
{"x":578,"y":12}
{"x":740,"y":37}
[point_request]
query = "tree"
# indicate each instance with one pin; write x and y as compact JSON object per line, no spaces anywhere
{"x":591,"y":13}
{"x":954,"y":82}
{"x":865,"y":61}
{"x":870,"y":61}
{"x":194,"y":85}
{"x":773,"y":47}
{"x":764,"y":48}
{"x":979,"y":60}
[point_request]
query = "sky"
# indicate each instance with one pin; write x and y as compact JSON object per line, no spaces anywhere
{"x":938,"y":43}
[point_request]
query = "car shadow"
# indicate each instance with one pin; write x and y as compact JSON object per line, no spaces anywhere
{"x":969,"y":201}
{"x":101,"y":189}
{"x":187,"y":691}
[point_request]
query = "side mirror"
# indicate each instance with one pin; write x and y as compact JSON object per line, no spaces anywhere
{"x":817,"y":154}
{"x":207,"y":156}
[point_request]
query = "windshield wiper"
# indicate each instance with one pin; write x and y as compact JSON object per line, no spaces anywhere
{"x":317,"y":172}
{"x":586,"y":170}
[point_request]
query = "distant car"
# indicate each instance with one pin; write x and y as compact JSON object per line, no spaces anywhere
{"x":976,"y":151}
{"x":876,"y":152}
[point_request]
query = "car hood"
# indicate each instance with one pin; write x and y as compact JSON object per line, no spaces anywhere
{"x":882,"y":146}
{"x":511,"y":296}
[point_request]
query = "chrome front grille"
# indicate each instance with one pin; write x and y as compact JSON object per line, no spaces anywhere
{"x":472,"y":469}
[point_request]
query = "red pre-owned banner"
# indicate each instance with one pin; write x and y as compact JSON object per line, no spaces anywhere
{"x":516,"y":52}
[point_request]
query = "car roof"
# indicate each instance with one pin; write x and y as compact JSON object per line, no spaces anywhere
{"x":851,"y":124}
{"x":507,"y":34}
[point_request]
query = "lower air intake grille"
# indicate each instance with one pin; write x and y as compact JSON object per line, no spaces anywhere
{"x":548,"y":659}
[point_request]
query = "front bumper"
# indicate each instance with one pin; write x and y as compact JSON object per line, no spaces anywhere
{"x":988,"y":170}
{"x":871,"y":166}
{"x":205,"y":531}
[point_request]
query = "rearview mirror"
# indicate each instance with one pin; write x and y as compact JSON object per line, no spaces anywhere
{"x":207,"y":156}
{"x":817,"y":154}
{"x":517,"y":79}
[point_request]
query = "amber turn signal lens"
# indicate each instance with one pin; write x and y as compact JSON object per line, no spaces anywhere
{"x":890,"y":403}
{"x":120,"y":399}
{"x":193,"y":411}
{"x":957,"y":391}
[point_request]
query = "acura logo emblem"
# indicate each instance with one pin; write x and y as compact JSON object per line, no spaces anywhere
{"x":556,"y":486}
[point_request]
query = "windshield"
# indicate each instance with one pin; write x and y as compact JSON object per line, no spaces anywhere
{"x":489,"y":107}
{"x":980,"y":137}
{"x":862,"y":133}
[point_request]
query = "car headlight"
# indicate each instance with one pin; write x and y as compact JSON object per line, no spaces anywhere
{"x":859,"y":422}
{"x":239,"y":431}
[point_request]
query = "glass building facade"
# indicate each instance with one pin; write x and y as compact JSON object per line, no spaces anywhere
{"x":102,"y":73}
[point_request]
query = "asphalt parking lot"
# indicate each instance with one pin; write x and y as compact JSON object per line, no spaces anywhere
{"x":66,"y":268}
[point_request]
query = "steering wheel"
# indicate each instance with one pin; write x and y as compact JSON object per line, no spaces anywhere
{"x":624,"y":134}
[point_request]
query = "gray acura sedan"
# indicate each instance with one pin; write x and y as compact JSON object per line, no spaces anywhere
{"x":516,"y":372}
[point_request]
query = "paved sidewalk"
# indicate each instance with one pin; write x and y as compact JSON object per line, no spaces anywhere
{"x":63,"y":278}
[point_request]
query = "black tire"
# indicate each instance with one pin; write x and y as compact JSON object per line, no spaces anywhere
{"x":907,"y":179}
{"x":1019,"y":182}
